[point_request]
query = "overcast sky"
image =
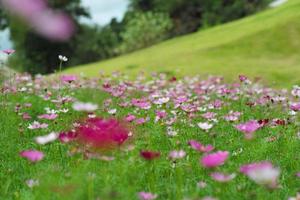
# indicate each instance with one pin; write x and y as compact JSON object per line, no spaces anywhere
{"x":102,"y":11}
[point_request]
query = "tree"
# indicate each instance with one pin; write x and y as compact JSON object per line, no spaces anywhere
{"x":144,"y":29}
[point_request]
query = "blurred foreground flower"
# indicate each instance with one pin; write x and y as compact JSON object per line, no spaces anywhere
{"x":214,"y":159}
{"x":262,"y":173}
{"x":46,"y":22}
{"x":102,"y":134}
{"x":248,"y":128}
{"x":32,"y":155}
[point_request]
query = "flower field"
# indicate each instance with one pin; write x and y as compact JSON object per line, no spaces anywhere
{"x":154,"y":137}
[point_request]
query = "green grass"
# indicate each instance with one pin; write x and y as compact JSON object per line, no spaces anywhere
{"x":265,"y":45}
{"x":73,"y":177}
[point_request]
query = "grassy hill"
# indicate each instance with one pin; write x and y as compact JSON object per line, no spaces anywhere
{"x":266,"y":45}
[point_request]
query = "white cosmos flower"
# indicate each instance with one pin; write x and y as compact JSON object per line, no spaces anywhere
{"x":205,"y":126}
{"x":46,"y":138}
{"x":88,"y":107}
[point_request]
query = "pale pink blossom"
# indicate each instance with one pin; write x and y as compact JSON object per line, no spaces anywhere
{"x":199,"y":147}
{"x":37,"y":125}
{"x":147,"y":196}
{"x":8,"y":51}
{"x":32,"y":155}
{"x":68,"y":78}
{"x":214,"y":159}
{"x":177,"y":154}
{"x":248,"y":128}
{"x":48,"y":116}
{"x":130,"y":118}
{"x":220,"y":177}
{"x":205,"y":126}
{"x":262,"y":173}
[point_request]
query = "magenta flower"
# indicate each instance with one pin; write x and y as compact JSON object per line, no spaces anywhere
{"x":262,"y":173}
{"x":248,"y":128}
{"x":8,"y":51}
{"x":48,"y":116}
{"x":32,"y":155}
{"x":147,"y":196}
{"x":214,"y":159}
{"x":149,"y":155}
{"x":243,"y":78}
{"x":199,"y":147}
{"x":220,"y":177}
{"x":66,"y":137}
{"x":102,"y":133}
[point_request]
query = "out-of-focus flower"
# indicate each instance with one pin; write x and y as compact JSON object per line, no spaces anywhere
{"x":87,"y":107}
{"x":248,"y":128}
{"x":130,"y":118}
{"x":295,"y":106}
{"x":199,"y":147}
{"x":62,"y":58}
{"x":205,"y":126}
{"x":214,"y":159}
{"x":262,"y":173}
{"x":32,"y":183}
{"x":46,"y":22}
{"x":177,"y":154}
{"x":37,"y":125}
{"x":102,"y":134}
{"x":48,"y":116}
{"x":32,"y":155}
{"x":149,"y":155}
{"x":66,"y":137}
{"x":147,"y":196}
{"x":220,"y":177}
{"x":46,"y":138}
{"x":296,"y":91}
{"x":68,"y":78}
{"x":297,"y":197}
{"x":8,"y":51}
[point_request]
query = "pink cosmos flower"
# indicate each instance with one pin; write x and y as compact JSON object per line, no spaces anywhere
{"x":243,"y":78}
{"x":232,"y":116}
{"x":32,"y":155}
{"x":177,"y":154}
{"x":102,"y":134}
{"x":220,"y":177}
{"x":37,"y":125}
{"x":295,"y":106}
{"x":208,"y":115}
{"x":199,"y":147}
{"x":141,"y":103}
{"x":262,"y":173}
{"x":8,"y":51}
{"x":296,"y":91}
{"x":248,"y":128}
{"x":147,"y":196}
{"x":140,"y":121}
{"x":214,"y":159}
{"x":68,"y":78}
{"x":26,"y":116}
{"x":130,"y":118}
{"x":48,"y":116}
